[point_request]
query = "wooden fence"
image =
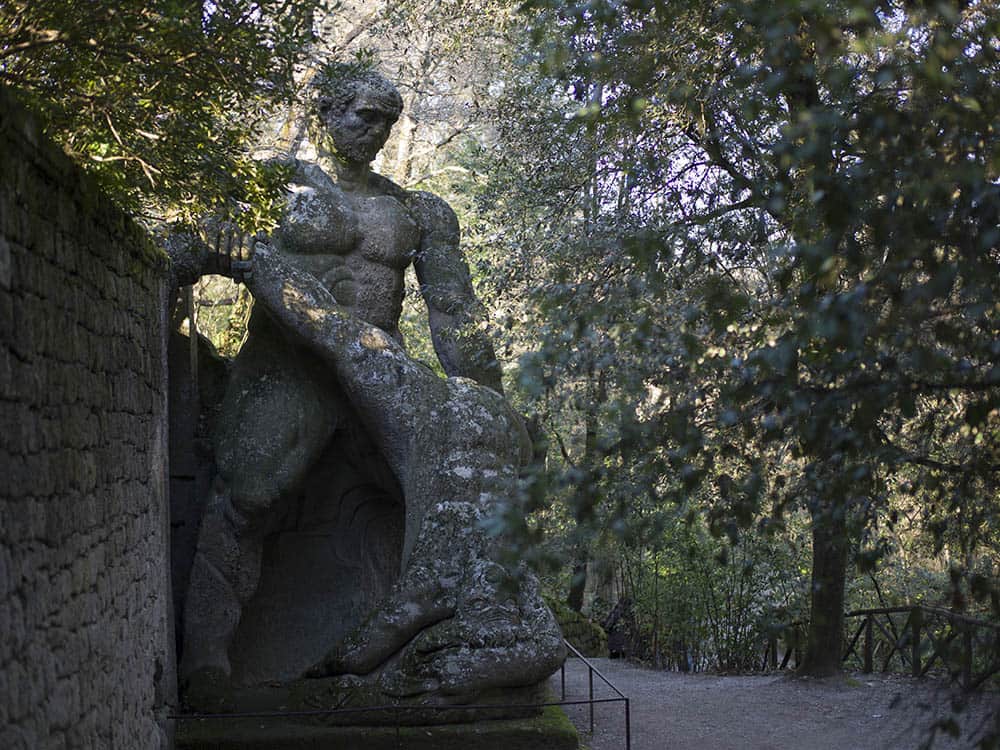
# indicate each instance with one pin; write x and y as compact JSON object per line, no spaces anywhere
{"x":919,"y":640}
{"x":925,"y":639}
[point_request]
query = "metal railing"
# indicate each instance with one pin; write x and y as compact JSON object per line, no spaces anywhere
{"x":401,"y":712}
{"x":591,"y":671}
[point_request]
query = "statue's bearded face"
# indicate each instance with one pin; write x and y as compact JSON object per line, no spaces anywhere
{"x":360,"y":130}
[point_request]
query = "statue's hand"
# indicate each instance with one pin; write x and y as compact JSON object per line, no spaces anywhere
{"x":215,"y":247}
{"x":230,"y":250}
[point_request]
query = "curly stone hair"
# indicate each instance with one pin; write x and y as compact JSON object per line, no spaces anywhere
{"x":334,"y":89}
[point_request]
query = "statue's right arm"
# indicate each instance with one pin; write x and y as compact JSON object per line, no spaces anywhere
{"x":189,"y":256}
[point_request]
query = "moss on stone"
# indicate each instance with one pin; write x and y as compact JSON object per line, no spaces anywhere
{"x":551,"y":730}
{"x":585,"y":635}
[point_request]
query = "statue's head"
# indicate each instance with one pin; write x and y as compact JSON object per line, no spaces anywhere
{"x":352,"y":112}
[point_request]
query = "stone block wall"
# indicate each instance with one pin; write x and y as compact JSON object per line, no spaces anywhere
{"x":86,"y":654}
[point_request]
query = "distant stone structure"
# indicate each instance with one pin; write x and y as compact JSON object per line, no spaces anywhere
{"x":86,"y":644}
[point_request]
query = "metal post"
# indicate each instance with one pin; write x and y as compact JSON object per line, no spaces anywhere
{"x":590,"y":677}
{"x":628,"y":726}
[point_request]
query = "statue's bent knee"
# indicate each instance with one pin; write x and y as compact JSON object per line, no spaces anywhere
{"x":271,"y":431}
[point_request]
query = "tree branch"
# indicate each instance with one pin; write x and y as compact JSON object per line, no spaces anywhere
{"x":906,"y":457}
{"x":45,"y":37}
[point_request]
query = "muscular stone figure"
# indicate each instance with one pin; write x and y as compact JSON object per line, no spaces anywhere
{"x":355,"y":232}
{"x":456,"y":627}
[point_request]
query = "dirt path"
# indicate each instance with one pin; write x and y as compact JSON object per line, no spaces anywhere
{"x":671,"y":711}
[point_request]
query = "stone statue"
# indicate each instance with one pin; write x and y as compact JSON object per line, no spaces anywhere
{"x":324,"y":356}
{"x":457,"y":626}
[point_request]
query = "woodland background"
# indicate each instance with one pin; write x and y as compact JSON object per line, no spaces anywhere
{"x":741,"y":262}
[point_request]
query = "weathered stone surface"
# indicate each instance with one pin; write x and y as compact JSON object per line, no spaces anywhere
{"x":348,"y":516}
{"x":334,"y":556}
{"x":193,"y":400}
{"x":551,"y":731}
{"x":86,"y":653}
{"x":456,"y":624}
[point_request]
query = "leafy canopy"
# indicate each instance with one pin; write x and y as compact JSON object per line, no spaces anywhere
{"x":775,"y":226}
{"x":162,"y":99}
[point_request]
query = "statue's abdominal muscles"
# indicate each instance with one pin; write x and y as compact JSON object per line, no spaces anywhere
{"x":357,"y":246}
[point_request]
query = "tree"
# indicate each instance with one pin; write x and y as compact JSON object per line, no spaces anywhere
{"x":163,"y":100}
{"x":810,"y":227}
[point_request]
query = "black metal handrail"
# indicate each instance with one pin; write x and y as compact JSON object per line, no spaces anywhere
{"x":591,"y":671}
{"x":397,"y":709}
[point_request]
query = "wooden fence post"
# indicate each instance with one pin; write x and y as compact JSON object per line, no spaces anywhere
{"x":967,"y":655}
{"x":869,"y":643}
{"x":916,"y":623}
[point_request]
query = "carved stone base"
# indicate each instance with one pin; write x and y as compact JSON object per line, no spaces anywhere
{"x":352,"y":697}
{"x":550,"y":730}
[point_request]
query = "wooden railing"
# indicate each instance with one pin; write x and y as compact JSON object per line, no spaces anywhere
{"x":792,"y":636}
{"x":918,"y":640}
{"x":921,"y":639}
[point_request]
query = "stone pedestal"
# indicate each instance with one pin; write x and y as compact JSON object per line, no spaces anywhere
{"x":551,"y":731}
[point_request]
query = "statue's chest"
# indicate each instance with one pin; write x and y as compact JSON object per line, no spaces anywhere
{"x":327,"y":221}
{"x":386,"y":233}
{"x":318,"y":221}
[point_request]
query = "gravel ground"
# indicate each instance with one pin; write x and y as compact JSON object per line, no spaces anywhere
{"x":672,"y":711}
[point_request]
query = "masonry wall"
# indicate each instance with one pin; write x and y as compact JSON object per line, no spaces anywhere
{"x":86,"y":655}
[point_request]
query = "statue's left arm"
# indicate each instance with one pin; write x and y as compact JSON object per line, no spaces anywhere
{"x":454,"y":312}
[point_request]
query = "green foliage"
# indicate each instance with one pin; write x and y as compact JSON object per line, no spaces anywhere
{"x":586,"y":636}
{"x":163,"y":100}
{"x":751,"y":254}
{"x":222,"y":313}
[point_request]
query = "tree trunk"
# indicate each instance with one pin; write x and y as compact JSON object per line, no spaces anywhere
{"x":404,"y":146}
{"x":825,"y":638}
{"x":586,"y":499}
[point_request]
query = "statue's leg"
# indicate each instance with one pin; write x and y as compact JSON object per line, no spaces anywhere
{"x":276,"y":419}
{"x":224,"y":576}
